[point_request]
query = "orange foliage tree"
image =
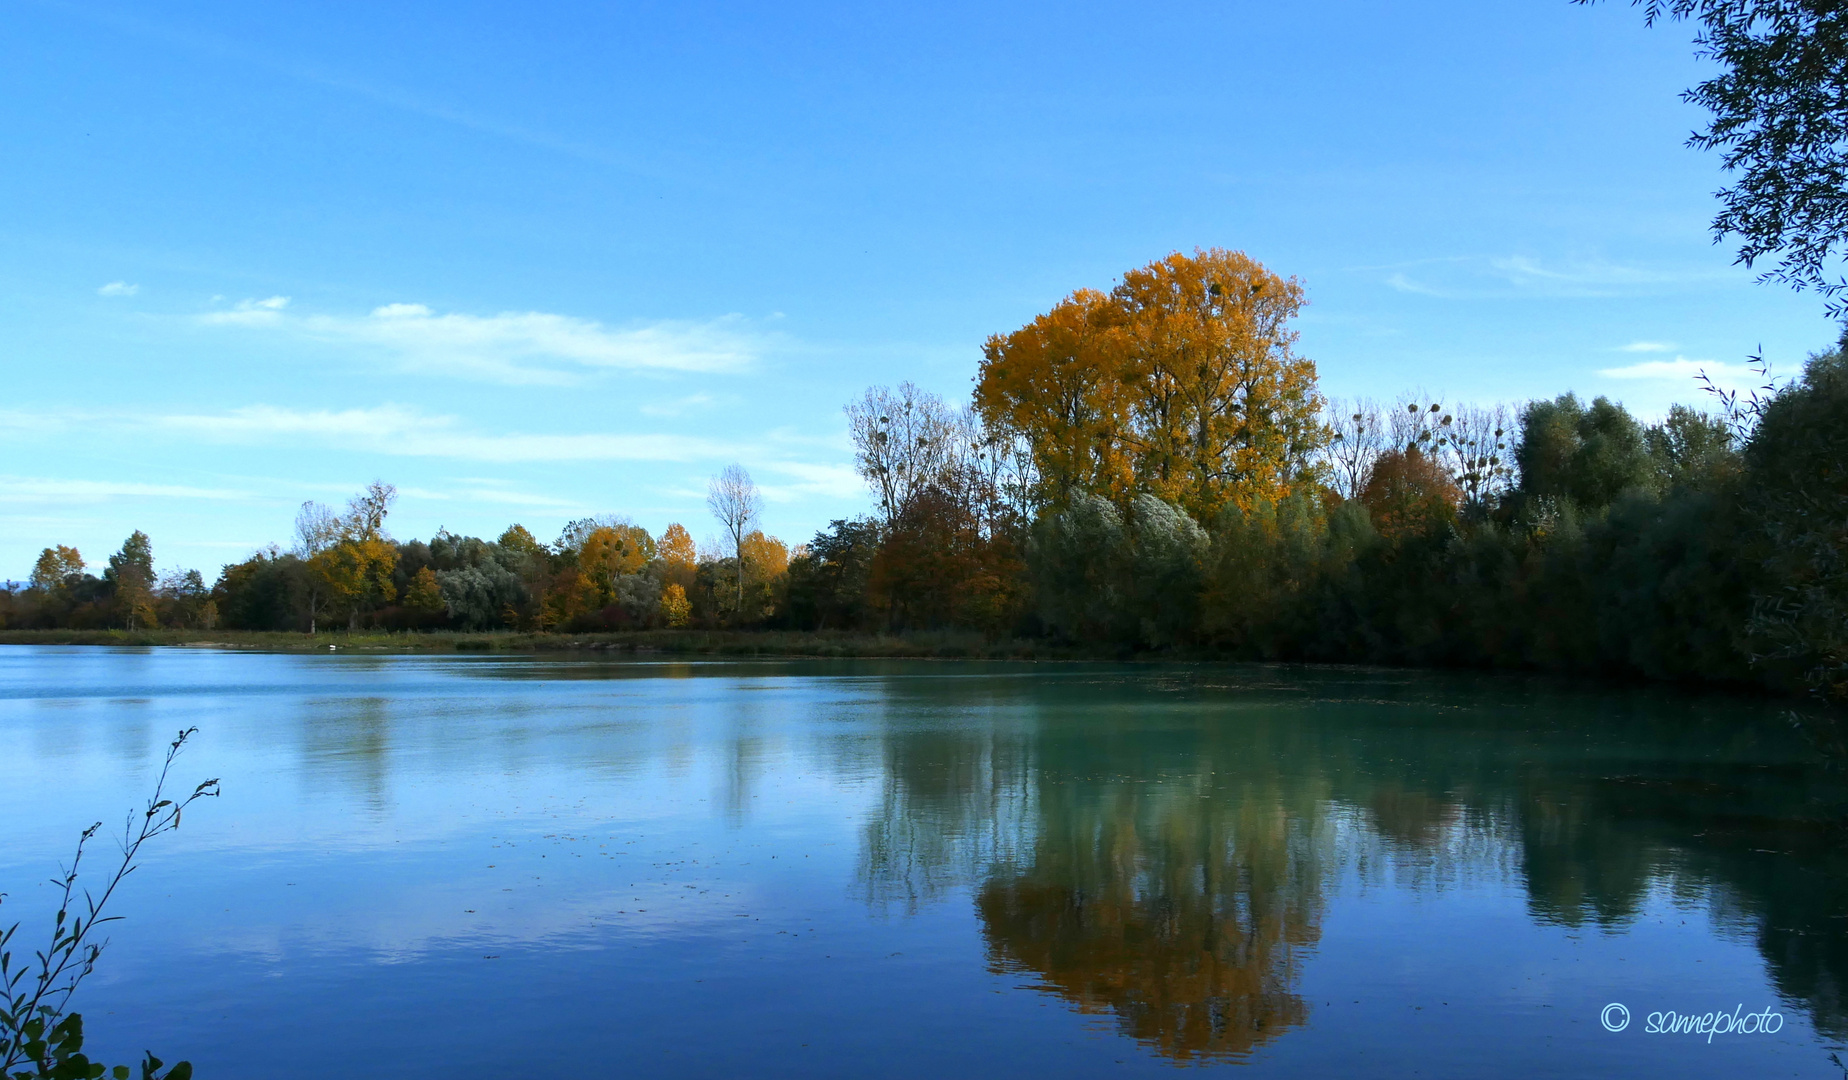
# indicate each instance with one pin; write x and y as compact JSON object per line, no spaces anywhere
{"x":1408,"y":492}
{"x":938,"y":566}
{"x":1180,"y":383}
{"x":679,"y":558}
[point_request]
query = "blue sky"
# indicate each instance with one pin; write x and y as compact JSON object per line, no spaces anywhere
{"x":532,"y":262}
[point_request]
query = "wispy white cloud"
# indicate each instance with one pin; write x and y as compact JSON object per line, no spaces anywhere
{"x":1399,"y":280}
{"x":1647,"y":347}
{"x":392,"y":429}
{"x":491,"y":491}
{"x":32,"y":489}
{"x":1683,"y":370}
{"x":836,"y":480}
{"x":32,"y":421}
{"x":838,"y":440}
{"x":1678,"y":368}
{"x":520,"y":347}
{"x":118,"y":288}
{"x":1519,"y":276}
{"x":508,"y":497}
{"x":249,"y":313}
{"x":398,"y":431}
{"x":678,"y":406}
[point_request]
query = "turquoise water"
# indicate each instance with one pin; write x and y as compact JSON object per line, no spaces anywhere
{"x":533,"y":866}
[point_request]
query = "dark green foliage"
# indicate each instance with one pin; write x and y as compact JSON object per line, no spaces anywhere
{"x":267,"y":591}
{"x":480,"y":579}
{"x":133,"y":566}
{"x":1134,"y":578}
{"x":828,"y":582}
{"x":1166,"y":571}
{"x":1796,"y":494}
{"x":1586,"y":456}
{"x":57,"y":1054}
{"x":1079,"y":557}
{"x":714,"y":590}
{"x":1692,"y":450}
{"x":1654,"y":587}
{"x":1260,"y":565}
{"x":1623,"y":558}
{"x":476,"y":596}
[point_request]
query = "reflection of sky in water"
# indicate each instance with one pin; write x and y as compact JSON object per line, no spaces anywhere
{"x":428,"y":866}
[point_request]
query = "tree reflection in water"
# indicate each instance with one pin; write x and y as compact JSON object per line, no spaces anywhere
{"x":1187,"y":914}
{"x":1164,"y":852}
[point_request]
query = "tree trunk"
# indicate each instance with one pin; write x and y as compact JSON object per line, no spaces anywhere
{"x":738,"y":550}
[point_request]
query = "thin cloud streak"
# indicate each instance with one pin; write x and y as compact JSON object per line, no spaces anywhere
{"x":32,"y":489}
{"x":519,"y":347}
{"x":1517,"y":277}
{"x":405,"y":432}
{"x":398,"y":431}
{"x":249,"y":313}
{"x":491,"y":494}
{"x":227,"y":48}
{"x":1682,"y":369}
{"x":839,"y":481}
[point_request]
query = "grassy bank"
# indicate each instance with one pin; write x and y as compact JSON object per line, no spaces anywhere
{"x":944,"y":645}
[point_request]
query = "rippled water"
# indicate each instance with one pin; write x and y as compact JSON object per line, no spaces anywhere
{"x":531,"y":866}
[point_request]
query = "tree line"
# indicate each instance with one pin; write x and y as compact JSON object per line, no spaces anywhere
{"x":1155,"y":468}
{"x":345,"y":571}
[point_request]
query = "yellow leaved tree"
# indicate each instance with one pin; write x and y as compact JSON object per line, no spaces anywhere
{"x":608,"y":552}
{"x":679,"y":558}
{"x":1182,"y":383}
{"x":676,"y":609}
{"x":353,"y":566}
{"x":1058,"y":382}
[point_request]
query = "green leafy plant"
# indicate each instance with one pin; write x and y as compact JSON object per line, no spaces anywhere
{"x":40,"y":1039}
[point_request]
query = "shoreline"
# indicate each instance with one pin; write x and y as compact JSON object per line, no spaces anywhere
{"x":790,"y":643}
{"x":801,"y":645}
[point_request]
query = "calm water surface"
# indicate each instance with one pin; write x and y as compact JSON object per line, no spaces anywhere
{"x":490,"y":866}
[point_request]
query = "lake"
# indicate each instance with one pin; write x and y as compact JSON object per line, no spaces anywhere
{"x":554,"y":865}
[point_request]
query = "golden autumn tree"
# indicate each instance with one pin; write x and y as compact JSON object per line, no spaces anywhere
{"x":609,"y":552}
{"x":1057,"y":381}
{"x":676,"y":609}
{"x":764,"y":561}
{"x":57,"y":568}
{"x":593,"y":556}
{"x":679,"y":557}
{"x":355,"y":570}
{"x":356,"y":574}
{"x":765,"y":557}
{"x":1181,"y":383}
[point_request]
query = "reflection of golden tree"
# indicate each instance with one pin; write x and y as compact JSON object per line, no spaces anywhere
{"x":1187,"y":918}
